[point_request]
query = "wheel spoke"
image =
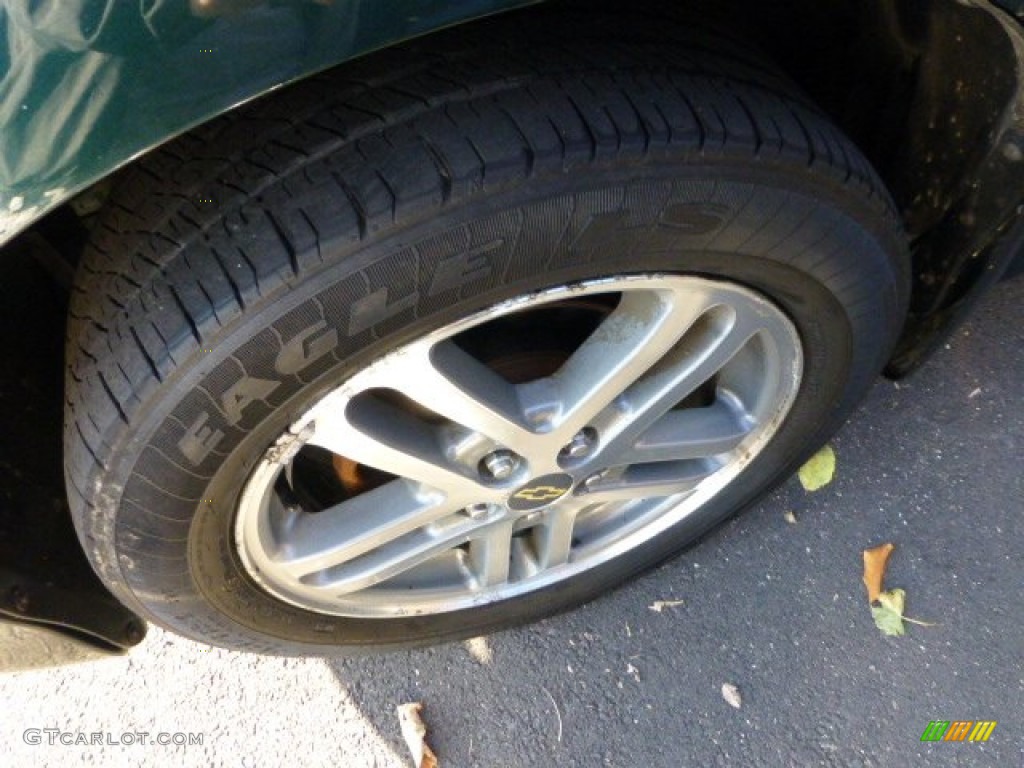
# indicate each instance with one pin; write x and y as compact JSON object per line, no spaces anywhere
{"x":398,"y":556}
{"x":553,"y":536}
{"x":338,"y":534}
{"x":454,"y":384}
{"x":490,"y":555}
{"x":384,"y":437}
{"x":708,"y":346}
{"x":692,"y":433}
{"x":645,"y":481}
{"x":631,"y":340}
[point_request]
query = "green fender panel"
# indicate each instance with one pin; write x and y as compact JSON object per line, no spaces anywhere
{"x":86,"y":85}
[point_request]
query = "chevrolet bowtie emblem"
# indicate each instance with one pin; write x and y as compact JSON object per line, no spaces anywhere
{"x":540,"y":493}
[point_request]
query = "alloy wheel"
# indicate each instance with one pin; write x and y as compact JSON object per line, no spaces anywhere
{"x":483,"y":488}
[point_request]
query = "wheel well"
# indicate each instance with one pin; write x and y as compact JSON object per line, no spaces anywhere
{"x":919,"y":87}
{"x":930,"y":91}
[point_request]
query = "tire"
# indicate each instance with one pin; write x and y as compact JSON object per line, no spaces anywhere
{"x":241,"y":274}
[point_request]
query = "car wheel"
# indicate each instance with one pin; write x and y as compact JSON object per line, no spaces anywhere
{"x":389,"y":361}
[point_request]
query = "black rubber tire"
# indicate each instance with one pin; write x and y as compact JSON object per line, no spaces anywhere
{"x":398,"y":193}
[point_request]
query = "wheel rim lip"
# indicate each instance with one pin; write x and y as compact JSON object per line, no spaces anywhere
{"x":251,"y":524}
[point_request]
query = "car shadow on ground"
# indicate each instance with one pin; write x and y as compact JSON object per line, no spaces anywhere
{"x":779,"y":610}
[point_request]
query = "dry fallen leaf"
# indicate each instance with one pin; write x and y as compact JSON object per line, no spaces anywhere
{"x":732,"y":695}
{"x":479,"y":649}
{"x":415,"y":734}
{"x":659,"y":605}
{"x":875,"y":560}
{"x":819,"y":469}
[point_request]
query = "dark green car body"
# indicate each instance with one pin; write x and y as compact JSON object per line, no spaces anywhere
{"x":89,"y":84}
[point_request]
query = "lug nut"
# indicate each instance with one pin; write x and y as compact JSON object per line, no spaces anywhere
{"x":477,"y":511}
{"x":582,"y":443}
{"x":500,"y":464}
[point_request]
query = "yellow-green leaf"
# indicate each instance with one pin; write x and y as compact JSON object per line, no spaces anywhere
{"x":894,"y":600}
{"x":819,"y":469}
{"x":888,"y":614}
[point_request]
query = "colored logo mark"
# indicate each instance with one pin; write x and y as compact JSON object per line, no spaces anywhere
{"x":958,"y":730}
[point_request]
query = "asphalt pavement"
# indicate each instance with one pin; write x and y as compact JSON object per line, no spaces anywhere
{"x":932,"y":464}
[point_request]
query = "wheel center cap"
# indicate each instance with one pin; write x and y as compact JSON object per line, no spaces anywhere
{"x":540,"y":492}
